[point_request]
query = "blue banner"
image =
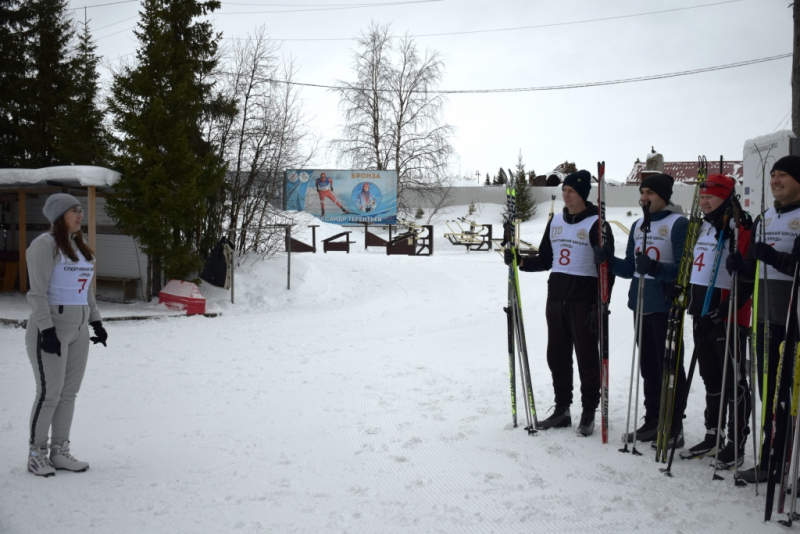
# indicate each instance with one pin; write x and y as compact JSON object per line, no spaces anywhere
{"x":343,"y":196}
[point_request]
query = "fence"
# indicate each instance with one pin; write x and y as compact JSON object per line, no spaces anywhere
{"x":616,"y":196}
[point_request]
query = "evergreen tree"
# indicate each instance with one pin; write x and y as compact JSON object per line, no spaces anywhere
{"x":13,"y":71}
{"x":49,"y":88}
{"x":88,"y":141}
{"x":525,"y":204}
{"x":170,"y":173}
{"x":488,"y":180}
{"x":501,"y":177}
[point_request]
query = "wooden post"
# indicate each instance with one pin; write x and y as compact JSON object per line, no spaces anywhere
{"x":92,"y":207}
{"x":23,"y":245}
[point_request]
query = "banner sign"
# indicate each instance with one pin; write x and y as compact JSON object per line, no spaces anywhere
{"x":343,"y":196}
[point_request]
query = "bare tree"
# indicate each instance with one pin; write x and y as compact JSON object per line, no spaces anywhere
{"x":392,"y":117}
{"x":269,"y":133}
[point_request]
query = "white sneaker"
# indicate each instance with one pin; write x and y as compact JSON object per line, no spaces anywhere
{"x":62,"y":459}
{"x":38,"y":462}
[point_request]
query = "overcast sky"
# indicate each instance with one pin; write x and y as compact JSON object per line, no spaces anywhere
{"x":710,"y":113}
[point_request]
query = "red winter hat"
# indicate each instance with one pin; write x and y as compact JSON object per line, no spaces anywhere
{"x":718,"y":185}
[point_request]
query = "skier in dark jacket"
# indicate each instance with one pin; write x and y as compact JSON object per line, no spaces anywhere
{"x":571,"y":309}
{"x":659,"y":268}
{"x":716,"y":201}
{"x":781,"y":241}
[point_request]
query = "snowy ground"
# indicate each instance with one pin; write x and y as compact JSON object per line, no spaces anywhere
{"x":372,"y":397}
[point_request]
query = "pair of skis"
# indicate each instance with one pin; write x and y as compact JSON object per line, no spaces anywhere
{"x":784,"y":412}
{"x":603,"y":295}
{"x":674,"y":339}
{"x":517,"y":347}
{"x":515,"y":324}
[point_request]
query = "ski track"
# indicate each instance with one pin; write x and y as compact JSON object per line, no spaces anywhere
{"x":373,"y":397}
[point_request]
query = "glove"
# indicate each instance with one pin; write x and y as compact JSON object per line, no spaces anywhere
{"x":602,"y":254}
{"x":765,"y":253}
{"x":592,"y":319}
{"x":100,"y":334}
{"x":672,"y":291}
{"x":508,"y":257}
{"x":796,"y":249}
{"x":708,"y":322}
{"x":647,"y":265}
{"x":50,"y":342}
{"x":734,"y":262}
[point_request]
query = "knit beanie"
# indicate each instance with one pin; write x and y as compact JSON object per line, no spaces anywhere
{"x":660,"y":184}
{"x":718,"y":185}
{"x":790,"y":165}
{"x":57,"y":205}
{"x":581,"y":182}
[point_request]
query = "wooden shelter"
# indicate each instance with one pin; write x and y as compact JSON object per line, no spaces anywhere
{"x":22,"y":195}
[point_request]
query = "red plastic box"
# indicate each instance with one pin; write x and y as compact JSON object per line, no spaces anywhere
{"x":180,"y":295}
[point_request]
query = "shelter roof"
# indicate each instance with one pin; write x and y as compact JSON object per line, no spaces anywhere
{"x":67,"y":175}
{"x":686,"y":171}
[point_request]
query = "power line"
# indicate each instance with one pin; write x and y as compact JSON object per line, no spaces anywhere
{"x":516,"y":28}
{"x":102,"y":5}
{"x":353,"y":6}
{"x":783,"y":120}
{"x":566,"y":86}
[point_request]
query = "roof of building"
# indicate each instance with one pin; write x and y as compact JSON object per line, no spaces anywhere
{"x":686,"y":171}
{"x":83,"y":175}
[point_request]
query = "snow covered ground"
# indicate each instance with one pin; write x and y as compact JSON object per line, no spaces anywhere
{"x":371,"y":397}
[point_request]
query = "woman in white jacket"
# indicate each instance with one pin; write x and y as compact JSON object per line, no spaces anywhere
{"x":60,"y":268}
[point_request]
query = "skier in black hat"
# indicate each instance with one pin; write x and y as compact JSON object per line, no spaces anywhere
{"x":571,"y":309}
{"x":658,"y":266}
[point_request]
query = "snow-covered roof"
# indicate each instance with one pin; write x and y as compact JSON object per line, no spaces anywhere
{"x":686,"y":171}
{"x":85,"y":175}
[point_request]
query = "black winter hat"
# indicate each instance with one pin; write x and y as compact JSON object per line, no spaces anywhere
{"x":790,"y":165}
{"x":661,"y":184}
{"x":581,"y":182}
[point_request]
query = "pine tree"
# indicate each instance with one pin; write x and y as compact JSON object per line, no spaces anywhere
{"x":501,"y":177}
{"x":88,"y":141}
{"x":526,"y":204}
{"x":13,"y":71}
{"x":488,"y":180}
{"x":170,"y":173}
{"x":49,"y":88}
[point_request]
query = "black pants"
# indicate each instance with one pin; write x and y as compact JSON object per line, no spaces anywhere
{"x":654,"y":337}
{"x":777,"y":334}
{"x":710,"y":350}
{"x":567,"y":328}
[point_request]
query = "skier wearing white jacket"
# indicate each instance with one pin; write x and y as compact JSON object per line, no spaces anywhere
{"x":60,"y":268}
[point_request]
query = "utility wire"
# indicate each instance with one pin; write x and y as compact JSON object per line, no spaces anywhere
{"x":783,"y":120}
{"x":102,"y":5}
{"x":516,"y":28}
{"x":353,"y":6}
{"x":561,"y":87}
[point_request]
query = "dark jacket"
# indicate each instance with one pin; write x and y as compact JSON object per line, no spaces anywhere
{"x":564,"y":286}
{"x":779,"y":290}
{"x":655,"y":297}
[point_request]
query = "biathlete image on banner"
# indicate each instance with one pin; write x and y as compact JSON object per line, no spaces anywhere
{"x":60,"y":269}
{"x":571,"y":309}
{"x":365,"y":200}
{"x":324,"y":186}
{"x":657,"y":268}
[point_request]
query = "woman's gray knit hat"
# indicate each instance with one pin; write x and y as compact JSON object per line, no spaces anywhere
{"x":57,"y":205}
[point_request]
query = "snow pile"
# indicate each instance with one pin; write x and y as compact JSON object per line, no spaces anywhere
{"x":371,"y":397}
{"x":86,"y":175}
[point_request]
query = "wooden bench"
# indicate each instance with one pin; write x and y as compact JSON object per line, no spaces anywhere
{"x":127,"y":285}
{"x":333,"y":245}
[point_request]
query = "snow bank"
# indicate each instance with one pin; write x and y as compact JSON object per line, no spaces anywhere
{"x":86,"y":175}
